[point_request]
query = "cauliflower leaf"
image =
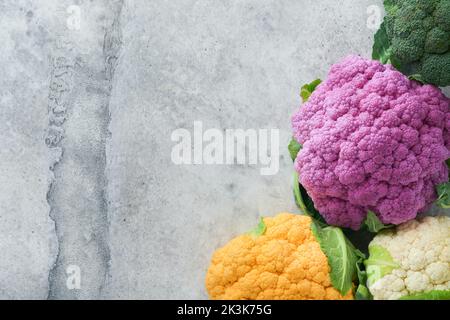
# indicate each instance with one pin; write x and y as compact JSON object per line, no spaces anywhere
{"x":259,"y":230}
{"x":373,"y":223}
{"x":417,"y":77}
{"x":294,"y":148}
{"x":430,"y":295}
{"x":308,"y":89}
{"x":362,"y":292}
{"x":305,"y":203}
{"x":379,"y":264}
{"x":443,"y":191}
{"x":341,"y":254}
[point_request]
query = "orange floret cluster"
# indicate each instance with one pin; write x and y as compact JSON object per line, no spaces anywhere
{"x":285,"y":262}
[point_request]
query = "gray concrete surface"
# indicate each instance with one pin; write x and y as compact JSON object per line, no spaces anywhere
{"x":87,"y":111}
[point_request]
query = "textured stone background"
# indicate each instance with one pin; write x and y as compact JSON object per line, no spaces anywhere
{"x":86,"y":117}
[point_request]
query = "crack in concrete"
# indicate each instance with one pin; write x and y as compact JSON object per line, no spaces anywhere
{"x":59,"y":89}
{"x":112,"y":46}
{"x":86,"y":245}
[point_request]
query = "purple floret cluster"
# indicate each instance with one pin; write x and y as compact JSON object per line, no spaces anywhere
{"x":372,"y":140}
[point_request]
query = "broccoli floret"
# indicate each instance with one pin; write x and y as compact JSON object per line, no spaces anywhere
{"x":416,"y":37}
{"x":436,"y":68}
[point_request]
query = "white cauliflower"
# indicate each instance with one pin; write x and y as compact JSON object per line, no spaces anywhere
{"x":410,"y":260}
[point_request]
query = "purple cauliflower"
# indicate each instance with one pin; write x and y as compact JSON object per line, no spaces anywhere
{"x":372,"y":140}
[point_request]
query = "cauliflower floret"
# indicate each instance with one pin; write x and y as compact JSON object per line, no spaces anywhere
{"x":438,"y":272}
{"x":372,"y":140}
{"x":417,"y":252}
{"x":285,"y":262}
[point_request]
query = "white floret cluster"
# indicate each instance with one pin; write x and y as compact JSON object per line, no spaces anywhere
{"x":422,"y":251}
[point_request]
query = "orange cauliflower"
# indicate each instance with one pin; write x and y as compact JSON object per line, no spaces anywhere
{"x":283,"y":261}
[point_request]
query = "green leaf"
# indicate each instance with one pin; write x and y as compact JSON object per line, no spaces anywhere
{"x":362,"y":293}
{"x":373,"y":224}
{"x":443,"y":191}
{"x":341,"y":254}
{"x":298,"y":196}
{"x":294,"y":147}
{"x":308,"y":89}
{"x":417,"y":77}
{"x":259,"y":230}
{"x":379,"y":264}
{"x":430,"y":295}
{"x":305,"y":203}
{"x":381,"y":50}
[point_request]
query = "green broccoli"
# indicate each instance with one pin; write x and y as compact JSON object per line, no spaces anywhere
{"x":415,"y":39}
